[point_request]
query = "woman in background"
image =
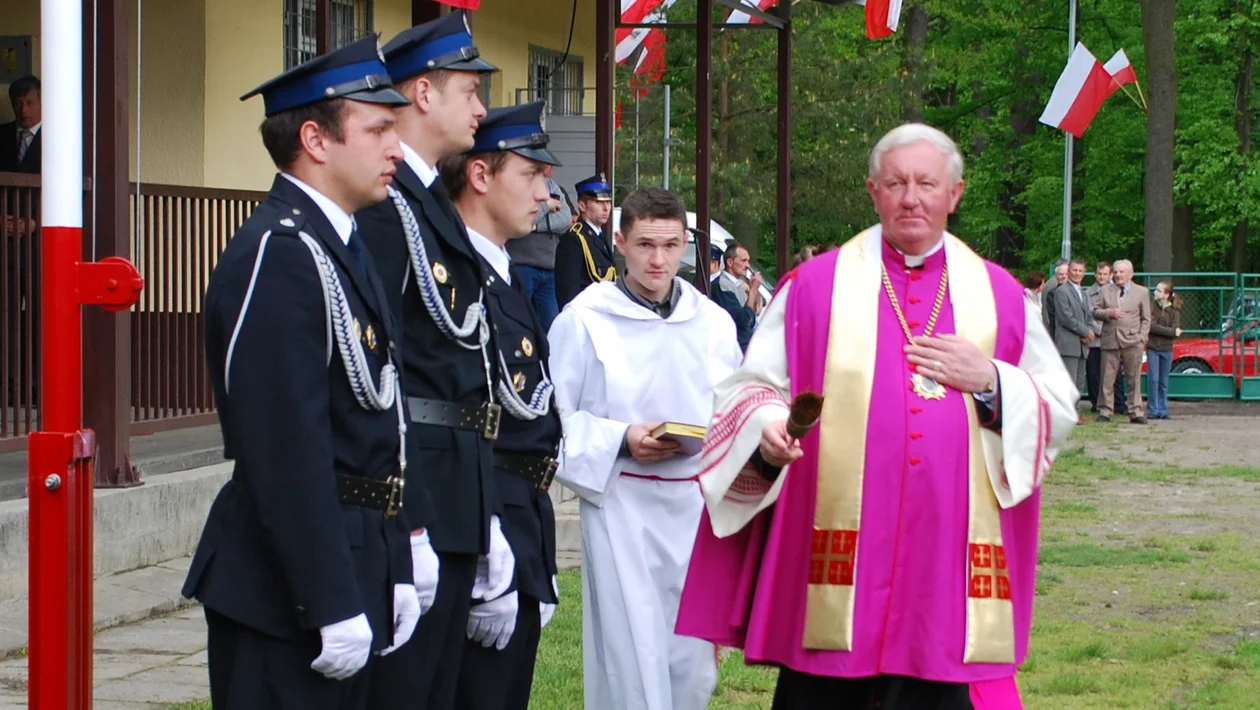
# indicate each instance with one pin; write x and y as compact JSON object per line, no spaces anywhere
{"x":1165,"y":327}
{"x":1034,"y":282}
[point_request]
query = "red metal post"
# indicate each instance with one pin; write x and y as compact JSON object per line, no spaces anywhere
{"x":59,"y":465}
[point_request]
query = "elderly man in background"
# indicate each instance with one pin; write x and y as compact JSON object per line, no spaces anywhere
{"x":887,"y":557}
{"x":1047,"y":307}
{"x":1125,"y":311}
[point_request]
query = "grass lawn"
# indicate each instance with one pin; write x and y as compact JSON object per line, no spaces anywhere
{"x":1148,"y":595}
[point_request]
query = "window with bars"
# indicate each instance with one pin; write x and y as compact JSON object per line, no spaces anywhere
{"x":348,"y":20}
{"x":557,"y":79}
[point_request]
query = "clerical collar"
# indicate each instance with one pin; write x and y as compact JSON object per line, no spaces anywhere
{"x":663,"y":308}
{"x":914,"y":262}
{"x":422,"y":169}
{"x":337,"y":217}
{"x":494,"y":254}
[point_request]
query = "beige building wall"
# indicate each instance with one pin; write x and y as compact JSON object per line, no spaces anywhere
{"x":172,"y":105}
{"x":244,"y":42}
{"x":391,"y":17}
{"x":504,"y":32}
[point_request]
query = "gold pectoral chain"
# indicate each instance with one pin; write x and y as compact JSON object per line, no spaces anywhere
{"x":924,"y":386}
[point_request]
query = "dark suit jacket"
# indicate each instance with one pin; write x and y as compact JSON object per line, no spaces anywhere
{"x":453,"y":467}
{"x":1072,"y":320}
{"x":529,"y":523}
{"x":9,"y":150}
{"x":744,"y":316}
{"x":280,"y":553}
{"x":582,"y":258}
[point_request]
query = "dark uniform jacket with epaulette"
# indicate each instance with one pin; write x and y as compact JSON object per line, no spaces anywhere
{"x":453,"y":465}
{"x":529,"y":522}
{"x":582,"y":258}
{"x":280,"y":553}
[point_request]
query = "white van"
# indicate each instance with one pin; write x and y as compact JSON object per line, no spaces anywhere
{"x":718,"y":236}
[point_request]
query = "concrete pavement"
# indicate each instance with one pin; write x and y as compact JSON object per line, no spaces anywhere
{"x":150,"y":644}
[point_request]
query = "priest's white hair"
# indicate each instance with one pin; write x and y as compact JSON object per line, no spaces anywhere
{"x":908,"y":133}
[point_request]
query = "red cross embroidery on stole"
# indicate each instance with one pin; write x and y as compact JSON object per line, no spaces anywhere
{"x":832,"y":556}
{"x":989,"y":575}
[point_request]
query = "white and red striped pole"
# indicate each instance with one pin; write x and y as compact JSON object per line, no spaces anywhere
{"x":60,"y":460}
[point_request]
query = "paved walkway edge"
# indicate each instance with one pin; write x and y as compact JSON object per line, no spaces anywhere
{"x":118,"y":599}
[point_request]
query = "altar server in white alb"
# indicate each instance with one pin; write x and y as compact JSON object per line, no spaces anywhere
{"x":627,"y":356}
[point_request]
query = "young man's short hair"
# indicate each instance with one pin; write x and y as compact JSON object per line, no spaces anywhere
{"x":453,"y":170}
{"x":651,"y":203}
{"x":1077,"y":262}
{"x":1102,"y":265}
{"x":281,"y":133}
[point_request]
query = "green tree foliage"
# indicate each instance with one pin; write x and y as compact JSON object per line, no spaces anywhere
{"x":983,"y":74}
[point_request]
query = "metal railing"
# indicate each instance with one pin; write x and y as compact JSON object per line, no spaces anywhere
{"x":178,"y":234}
{"x":1215,"y":355}
{"x":182,"y":232}
{"x":561,"y":101}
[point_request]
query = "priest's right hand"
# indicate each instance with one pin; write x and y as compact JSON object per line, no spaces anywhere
{"x":777,"y":448}
{"x":645,"y":449}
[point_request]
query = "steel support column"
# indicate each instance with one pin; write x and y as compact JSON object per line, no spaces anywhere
{"x":607,"y":12}
{"x":783,"y":222}
{"x":107,"y":336}
{"x":704,"y":135}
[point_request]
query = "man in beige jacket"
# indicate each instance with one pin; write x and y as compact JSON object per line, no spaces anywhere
{"x":1125,"y":311}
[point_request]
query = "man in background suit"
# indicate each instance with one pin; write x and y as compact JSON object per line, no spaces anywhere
{"x":20,"y":147}
{"x":1125,"y":311}
{"x":1073,"y":323}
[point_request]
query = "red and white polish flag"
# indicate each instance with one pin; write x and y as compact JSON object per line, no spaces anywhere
{"x":1081,"y":90}
{"x":638,"y":12}
{"x":1120,"y":70}
{"x":882,"y":17}
{"x":739,"y":17}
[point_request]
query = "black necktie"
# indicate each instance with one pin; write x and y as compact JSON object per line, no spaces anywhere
{"x":356,"y":250}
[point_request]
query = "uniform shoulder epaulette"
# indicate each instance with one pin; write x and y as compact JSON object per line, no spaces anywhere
{"x":288,"y":223}
{"x":576,"y":228}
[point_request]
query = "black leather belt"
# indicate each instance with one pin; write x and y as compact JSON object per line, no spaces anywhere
{"x":384,"y":495}
{"x":539,"y":470}
{"x":483,"y":418}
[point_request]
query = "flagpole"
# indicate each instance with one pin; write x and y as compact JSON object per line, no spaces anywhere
{"x":1065,"y":250}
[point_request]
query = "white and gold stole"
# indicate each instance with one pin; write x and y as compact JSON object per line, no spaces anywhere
{"x":847,"y":386}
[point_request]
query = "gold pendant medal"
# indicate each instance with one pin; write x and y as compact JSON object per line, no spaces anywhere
{"x":926,"y":387}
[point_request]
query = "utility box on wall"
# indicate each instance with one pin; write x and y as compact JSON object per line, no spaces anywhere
{"x":15,"y":58}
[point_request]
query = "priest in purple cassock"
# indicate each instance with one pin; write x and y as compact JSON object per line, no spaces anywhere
{"x":887,"y":559}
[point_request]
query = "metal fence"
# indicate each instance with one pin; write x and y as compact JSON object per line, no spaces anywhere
{"x":1216,"y":355}
{"x":180,"y":233}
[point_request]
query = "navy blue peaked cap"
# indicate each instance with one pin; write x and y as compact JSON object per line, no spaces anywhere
{"x":444,"y":43}
{"x":596,"y":186}
{"x":519,"y":129}
{"x":356,"y":72}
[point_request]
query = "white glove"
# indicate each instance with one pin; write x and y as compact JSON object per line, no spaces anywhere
{"x":424,"y":567}
{"x":345,"y":647}
{"x":406,"y":614}
{"x":545,"y":610}
{"x":495,"y":570}
{"x":492,"y":623}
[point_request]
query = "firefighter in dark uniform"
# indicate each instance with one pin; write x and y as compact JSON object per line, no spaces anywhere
{"x":585,"y":254}
{"x":435,"y":282}
{"x":304,"y":566}
{"x":497,"y":187}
